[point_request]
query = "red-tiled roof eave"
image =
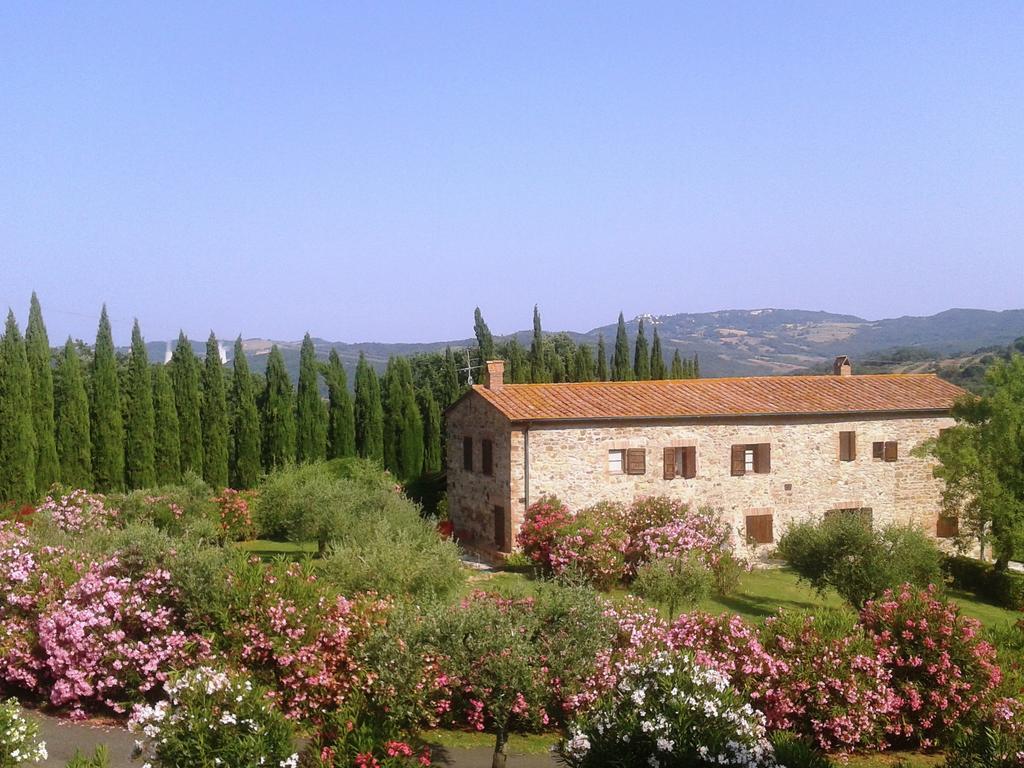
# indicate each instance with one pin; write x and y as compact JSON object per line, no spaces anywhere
{"x":919,"y":412}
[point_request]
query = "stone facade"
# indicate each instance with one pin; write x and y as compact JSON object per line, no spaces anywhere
{"x":806,"y":477}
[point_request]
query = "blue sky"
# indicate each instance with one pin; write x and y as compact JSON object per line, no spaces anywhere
{"x":374,"y":171}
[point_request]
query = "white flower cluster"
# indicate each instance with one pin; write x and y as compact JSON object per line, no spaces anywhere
{"x":18,"y":737}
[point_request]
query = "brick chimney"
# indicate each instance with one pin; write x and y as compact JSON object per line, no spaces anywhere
{"x":842,"y":367}
{"x":495,"y":375}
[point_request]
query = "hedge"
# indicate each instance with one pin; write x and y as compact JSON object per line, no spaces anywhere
{"x":1004,"y":588}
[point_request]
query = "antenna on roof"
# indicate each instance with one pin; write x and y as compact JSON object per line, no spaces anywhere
{"x":468,"y":370}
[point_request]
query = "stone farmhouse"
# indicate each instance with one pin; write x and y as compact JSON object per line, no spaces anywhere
{"x":765,"y":451}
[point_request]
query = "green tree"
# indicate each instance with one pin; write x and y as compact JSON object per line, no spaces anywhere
{"x":484,"y":340}
{"x":584,"y":364}
{"x":695,"y":369}
{"x":17,"y":435}
{"x":185,"y":377}
{"x":71,"y":405}
{"x":602,"y":359}
{"x":517,"y":370}
{"x":166,"y":433}
{"x":277,"y":407}
{"x":245,"y":433}
{"x":980,"y":462}
{"x":37,"y":345}
{"x":310,"y":413}
{"x":642,"y":355}
{"x":621,"y":370}
{"x":214,"y":418}
{"x":369,"y":413}
{"x":431,"y":414}
{"x":450,"y":378}
{"x":105,"y":418}
{"x":657,"y":358}
{"x":341,"y":424}
{"x":677,"y":367}
{"x":538,"y":364}
{"x":140,"y":423}
{"x":403,"y":425}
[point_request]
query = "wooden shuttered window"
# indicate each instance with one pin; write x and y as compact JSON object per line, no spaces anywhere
{"x":847,"y":446}
{"x":891,"y":450}
{"x":763,"y":458}
{"x":947,"y":528}
{"x":877,"y":450}
{"x":636,"y":461}
{"x":737,"y":460}
{"x":680,"y":462}
{"x":467,"y":454}
{"x":762,"y":455}
{"x":760,"y":529}
{"x":499,"y":529}
{"x":487,"y":457}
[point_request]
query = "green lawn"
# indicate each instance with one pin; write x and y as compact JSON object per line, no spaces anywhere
{"x":271,"y":549}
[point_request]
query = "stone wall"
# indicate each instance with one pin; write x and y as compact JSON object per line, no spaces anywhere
{"x":806,"y":478}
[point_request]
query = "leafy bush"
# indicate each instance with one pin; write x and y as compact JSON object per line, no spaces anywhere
{"x":212,"y":719}
{"x":236,"y":522}
{"x":984,"y":580}
{"x":19,"y":737}
{"x":173,"y":509}
{"x":674,"y":582}
{"x":994,"y":741}
{"x":100,"y":759}
{"x":545,"y":523}
{"x":77,"y":511}
{"x":795,"y":752}
{"x":844,"y":553}
{"x":941,"y":667}
{"x":303,"y":503}
{"x":673,"y":712}
{"x":594,"y":544}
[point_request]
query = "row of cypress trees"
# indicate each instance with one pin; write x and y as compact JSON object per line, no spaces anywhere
{"x":557,"y":358}
{"x":87,"y":419}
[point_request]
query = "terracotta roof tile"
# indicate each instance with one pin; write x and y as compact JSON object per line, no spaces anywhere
{"x":765,"y":395}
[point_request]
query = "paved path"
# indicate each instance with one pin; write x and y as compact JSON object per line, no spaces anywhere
{"x":63,"y":737}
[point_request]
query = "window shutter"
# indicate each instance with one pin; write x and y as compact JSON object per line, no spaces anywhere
{"x":738,"y":461}
{"x":847,"y":446}
{"x":487,"y":457}
{"x":763,"y":458}
{"x":878,"y":450}
{"x":760,"y":529}
{"x":690,"y":462}
{"x":670,"y":463}
{"x":636,"y":461}
{"x":891,"y":450}
{"x":947,"y":528}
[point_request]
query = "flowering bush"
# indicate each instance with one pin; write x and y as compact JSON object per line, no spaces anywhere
{"x":235,"y":518}
{"x":19,"y":738}
{"x":941,"y":668}
{"x":670,"y":711}
{"x":545,"y":523}
{"x":593,"y":545}
{"x":992,"y":741}
{"x":77,"y":511}
{"x":211,"y":719}
{"x":356,"y":736}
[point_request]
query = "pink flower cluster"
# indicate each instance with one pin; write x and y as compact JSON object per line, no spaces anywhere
{"x":77,"y":511}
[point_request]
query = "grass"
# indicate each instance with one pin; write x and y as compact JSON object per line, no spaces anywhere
{"x":523,"y":744}
{"x":268,"y":550}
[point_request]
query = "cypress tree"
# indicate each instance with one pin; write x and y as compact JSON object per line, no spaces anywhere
{"x":538,"y":364}
{"x":185,"y":377}
{"x":450,"y":378}
{"x":642,"y":355}
{"x":484,"y":340}
{"x":657,"y":358}
{"x":71,"y":406}
{"x":341,"y":425}
{"x":140,"y":423}
{"x":17,"y":435}
{"x":105,"y":418}
{"x":277,"y":406}
{"x":584,"y":368}
{"x":621,"y":370}
{"x":677,"y":367}
{"x":214,"y":418}
{"x":369,"y":414}
{"x":431,"y":414}
{"x":310,"y":414}
{"x":696,"y":366}
{"x":166,"y":433}
{"x":245,"y":434}
{"x":37,"y":347}
{"x":602,"y":359}
{"x":403,"y":425}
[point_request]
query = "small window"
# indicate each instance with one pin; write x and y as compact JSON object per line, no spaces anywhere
{"x":680,"y":462}
{"x":499,"y":528}
{"x":886,"y":451}
{"x":759,"y":529}
{"x":616,"y":462}
{"x":947,"y":528}
{"x":755,"y":459}
{"x":467,"y":454}
{"x":636,"y":461}
{"x":847,"y":446}
{"x":487,"y":457}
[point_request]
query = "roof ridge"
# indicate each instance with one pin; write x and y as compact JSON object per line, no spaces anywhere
{"x":709,"y":379}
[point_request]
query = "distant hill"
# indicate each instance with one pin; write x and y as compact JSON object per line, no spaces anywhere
{"x":738,"y":342}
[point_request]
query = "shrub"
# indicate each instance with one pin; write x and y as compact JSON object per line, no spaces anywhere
{"x":673,"y":712}
{"x":844,"y":553}
{"x":545,"y":522}
{"x":236,"y":522}
{"x":681,"y":581}
{"x":795,"y":752}
{"x":19,"y":737}
{"x":301,"y":504}
{"x":992,"y":741}
{"x":173,"y":509}
{"x":355,"y":736}
{"x":100,"y":759}
{"x":594,"y":544}
{"x":727,"y":571}
{"x":941,"y":667}
{"x":211,"y":718}
{"x":1004,"y":588}
{"x":77,"y":511}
